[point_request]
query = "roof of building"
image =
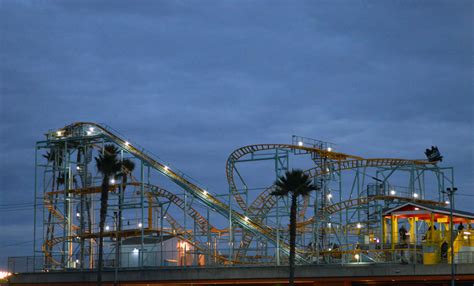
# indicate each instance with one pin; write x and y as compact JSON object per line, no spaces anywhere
{"x":432,"y":208}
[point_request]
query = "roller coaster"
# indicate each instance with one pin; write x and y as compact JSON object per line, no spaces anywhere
{"x":160,"y":216}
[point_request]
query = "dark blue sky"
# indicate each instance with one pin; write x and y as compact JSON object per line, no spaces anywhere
{"x":193,"y":82}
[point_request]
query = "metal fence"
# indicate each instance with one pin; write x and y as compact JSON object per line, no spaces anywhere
{"x":156,"y":259}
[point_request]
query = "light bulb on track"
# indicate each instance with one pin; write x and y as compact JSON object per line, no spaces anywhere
{"x":300,"y":143}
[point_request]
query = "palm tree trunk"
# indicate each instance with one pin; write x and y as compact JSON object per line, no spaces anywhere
{"x":103,"y":212}
{"x":294,"y":201}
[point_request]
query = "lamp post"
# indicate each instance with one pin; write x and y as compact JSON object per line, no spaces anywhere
{"x":450,"y":192}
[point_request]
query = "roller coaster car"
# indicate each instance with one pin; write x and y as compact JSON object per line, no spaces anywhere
{"x":433,"y":155}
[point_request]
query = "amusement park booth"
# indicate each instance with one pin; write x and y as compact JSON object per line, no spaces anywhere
{"x":425,"y":230}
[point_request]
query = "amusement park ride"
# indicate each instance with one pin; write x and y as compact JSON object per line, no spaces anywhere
{"x":359,"y":215}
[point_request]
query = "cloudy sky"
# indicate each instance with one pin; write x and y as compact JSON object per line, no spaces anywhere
{"x":193,"y":82}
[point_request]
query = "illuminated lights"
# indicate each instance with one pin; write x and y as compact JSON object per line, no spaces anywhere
{"x":300,"y":143}
{"x":166,"y":168}
{"x":329,"y":249}
{"x":77,"y":261}
{"x":327,"y":170}
{"x":465,"y":237}
{"x":89,"y":133}
{"x":4,"y":274}
{"x":329,"y":149}
{"x":392,"y":192}
{"x":467,"y":233}
{"x":78,"y":214}
{"x":91,"y":129}
{"x":59,"y":133}
{"x":112,"y":181}
{"x":127,"y":143}
{"x":329,"y":196}
{"x":78,"y":168}
{"x":415,"y":195}
{"x":107,"y":227}
{"x":357,"y":256}
{"x":417,"y":209}
{"x":359,"y":225}
{"x":204,"y":192}
{"x":447,"y":202}
{"x":140,"y":225}
{"x":329,"y":224}
{"x":246,"y":218}
{"x":135,"y":251}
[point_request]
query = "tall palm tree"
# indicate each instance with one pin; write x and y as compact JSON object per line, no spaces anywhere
{"x":293,"y":184}
{"x":127,"y":167}
{"x":108,"y":164}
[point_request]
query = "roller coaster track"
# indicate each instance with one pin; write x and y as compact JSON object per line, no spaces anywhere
{"x":154,"y":191}
{"x":79,"y":130}
{"x":338,"y":162}
{"x":340,"y":206}
{"x":239,"y":153}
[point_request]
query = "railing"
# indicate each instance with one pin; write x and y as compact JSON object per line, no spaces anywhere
{"x":183,"y":258}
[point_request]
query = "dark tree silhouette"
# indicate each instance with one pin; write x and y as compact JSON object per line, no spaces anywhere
{"x":293,"y":184}
{"x":109,"y":165}
{"x":127,"y":167}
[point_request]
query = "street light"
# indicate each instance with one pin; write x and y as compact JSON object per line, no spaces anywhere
{"x":450,"y":192}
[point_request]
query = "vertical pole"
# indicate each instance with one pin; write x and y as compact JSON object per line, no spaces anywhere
{"x":231,"y":239}
{"x":161,"y":235}
{"x":394,"y":231}
{"x":451,"y":202}
{"x":208,"y":259}
{"x":142,"y":189}
{"x":34,"y":211}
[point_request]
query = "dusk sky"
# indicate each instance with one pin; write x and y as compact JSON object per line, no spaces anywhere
{"x":192,"y":81}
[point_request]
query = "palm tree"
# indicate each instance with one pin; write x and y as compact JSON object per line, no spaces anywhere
{"x":294,"y":183}
{"x":108,"y":164}
{"x":127,"y":167}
